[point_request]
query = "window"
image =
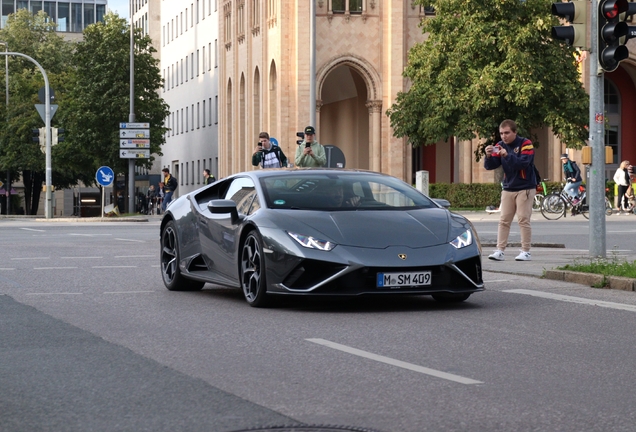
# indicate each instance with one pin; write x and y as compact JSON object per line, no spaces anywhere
{"x":186,"y":70}
{"x":203,"y":59}
{"x":192,"y":65}
{"x":197,"y":62}
{"x":186,"y":172}
{"x":203,"y":113}
{"x":210,"y":56}
{"x":216,"y":110}
{"x":216,"y":53}
{"x":187,"y":121}
{"x":198,"y":115}
{"x":89,"y":14}
{"x":355,"y":6}
{"x":210,"y":106}
{"x":76,"y":17}
{"x":192,"y":125}
{"x":64,"y":17}
{"x":7,"y":9}
{"x":338,"y":6}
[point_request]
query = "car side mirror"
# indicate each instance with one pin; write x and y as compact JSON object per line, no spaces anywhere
{"x":442,"y":202}
{"x":223,"y":206}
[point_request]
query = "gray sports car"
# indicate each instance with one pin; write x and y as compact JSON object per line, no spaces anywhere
{"x":318,"y":232}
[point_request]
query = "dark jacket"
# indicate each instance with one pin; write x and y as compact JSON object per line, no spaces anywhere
{"x":572,"y":170}
{"x":209,"y":180}
{"x":258,"y":157}
{"x":172,"y":184}
{"x":518,"y":165}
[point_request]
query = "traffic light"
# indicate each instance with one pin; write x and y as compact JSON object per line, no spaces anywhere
{"x":574,"y":12}
{"x":612,"y":33}
{"x":57,"y":135}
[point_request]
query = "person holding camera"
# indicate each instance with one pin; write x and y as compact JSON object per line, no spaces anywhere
{"x":268,"y":155}
{"x":515,"y":155}
{"x":310,"y":153}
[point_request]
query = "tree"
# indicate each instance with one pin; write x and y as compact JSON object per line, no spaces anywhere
{"x":485,"y":61}
{"x":35,"y":36}
{"x":99,"y":98}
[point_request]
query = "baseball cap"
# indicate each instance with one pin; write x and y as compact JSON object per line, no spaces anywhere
{"x":565,"y":156}
{"x":309,"y":130}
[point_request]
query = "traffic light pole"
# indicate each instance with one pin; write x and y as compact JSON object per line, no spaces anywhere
{"x":596,"y":172}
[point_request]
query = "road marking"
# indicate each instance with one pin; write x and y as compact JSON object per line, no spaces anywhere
{"x":135,"y":256}
{"x":130,"y":240}
{"x":570,"y":299}
{"x":7,"y":268}
{"x":32,"y":229}
{"x":54,"y":268}
{"x":394,"y":362}
{"x":88,"y":235}
{"x":104,"y":267}
{"x":83,"y":257}
{"x":128,"y":292}
{"x":62,"y":293}
{"x":35,"y":258}
{"x":498,"y":280}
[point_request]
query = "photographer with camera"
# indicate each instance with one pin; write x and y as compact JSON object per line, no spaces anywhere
{"x":309,"y":152}
{"x":268,"y":155}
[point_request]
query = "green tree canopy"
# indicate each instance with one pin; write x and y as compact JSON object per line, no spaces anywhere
{"x":35,"y":36}
{"x":485,"y":61}
{"x":99,"y":98}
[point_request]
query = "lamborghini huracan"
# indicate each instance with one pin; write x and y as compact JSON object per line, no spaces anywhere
{"x":318,"y":232}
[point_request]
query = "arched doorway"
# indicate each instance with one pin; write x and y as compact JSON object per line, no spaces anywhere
{"x":344,"y":115}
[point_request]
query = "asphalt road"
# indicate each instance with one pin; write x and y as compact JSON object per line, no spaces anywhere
{"x":91,"y":340}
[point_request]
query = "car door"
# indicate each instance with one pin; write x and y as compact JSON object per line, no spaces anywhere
{"x":221,"y":248}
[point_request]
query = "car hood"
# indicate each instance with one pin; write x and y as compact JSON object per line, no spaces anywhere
{"x":370,"y":228}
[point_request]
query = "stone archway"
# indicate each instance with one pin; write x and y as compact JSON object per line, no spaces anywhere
{"x":349,"y":107}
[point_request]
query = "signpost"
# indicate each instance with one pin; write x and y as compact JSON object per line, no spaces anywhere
{"x":134,"y":133}
{"x":134,"y":154}
{"x":105,"y":177}
{"x":134,"y":143}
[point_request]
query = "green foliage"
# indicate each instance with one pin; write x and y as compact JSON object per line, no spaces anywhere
{"x":607,"y":267}
{"x":99,"y":98}
{"x":473,"y":195}
{"x":485,"y":61}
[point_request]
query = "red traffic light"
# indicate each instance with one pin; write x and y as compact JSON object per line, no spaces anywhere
{"x":613,"y":8}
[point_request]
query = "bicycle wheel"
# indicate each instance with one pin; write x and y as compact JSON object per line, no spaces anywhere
{"x":584,"y":209}
{"x":553,"y":207}
{"x":538,"y":202}
{"x":608,"y":207}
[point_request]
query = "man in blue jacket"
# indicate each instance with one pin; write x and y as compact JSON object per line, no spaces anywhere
{"x":515,"y":155}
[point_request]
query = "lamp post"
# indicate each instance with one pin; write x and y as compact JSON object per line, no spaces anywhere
{"x":6,"y":84}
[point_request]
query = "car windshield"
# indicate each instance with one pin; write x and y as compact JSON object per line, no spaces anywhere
{"x":340,"y":191}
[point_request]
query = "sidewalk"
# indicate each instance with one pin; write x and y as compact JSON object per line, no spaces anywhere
{"x":545,"y":259}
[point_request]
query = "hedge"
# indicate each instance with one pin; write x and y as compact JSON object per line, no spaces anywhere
{"x":481,"y":195}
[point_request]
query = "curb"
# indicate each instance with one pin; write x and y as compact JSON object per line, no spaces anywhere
{"x":593,"y":280}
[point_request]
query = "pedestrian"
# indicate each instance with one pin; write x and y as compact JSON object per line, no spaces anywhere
{"x":170,"y":185}
{"x":151,"y":199}
{"x":622,"y":179}
{"x":515,"y":155}
{"x":160,"y":196}
{"x":207,"y":177}
{"x":572,"y":177}
{"x":268,"y":155}
{"x":309,"y":152}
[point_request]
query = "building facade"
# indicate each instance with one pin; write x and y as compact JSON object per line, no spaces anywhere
{"x":187,"y":42}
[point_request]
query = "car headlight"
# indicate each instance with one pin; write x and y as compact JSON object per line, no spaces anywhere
{"x":463,"y":240}
{"x":312,"y":242}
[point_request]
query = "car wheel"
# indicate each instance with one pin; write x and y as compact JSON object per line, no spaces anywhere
{"x":450,"y":297}
{"x":172,"y":277}
{"x":253,"y":271}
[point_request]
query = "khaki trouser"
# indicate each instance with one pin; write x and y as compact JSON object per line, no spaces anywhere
{"x":519,"y":203}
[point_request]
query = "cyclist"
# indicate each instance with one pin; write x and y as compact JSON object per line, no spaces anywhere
{"x":572,"y":177}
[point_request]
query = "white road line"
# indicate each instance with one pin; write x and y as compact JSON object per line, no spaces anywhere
{"x":32,"y":229}
{"x":497,"y":280}
{"x":135,"y":256}
{"x":54,"y":268}
{"x":570,"y":299}
{"x":82,"y":257}
{"x":104,"y":267}
{"x":8,"y":268}
{"x":128,"y":292}
{"x":62,"y":293}
{"x":130,"y":240}
{"x":34,"y":258}
{"x":88,"y":235}
{"x":393,"y":362}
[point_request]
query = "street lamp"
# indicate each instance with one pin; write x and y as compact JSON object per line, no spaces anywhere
{"x":6,"y":84}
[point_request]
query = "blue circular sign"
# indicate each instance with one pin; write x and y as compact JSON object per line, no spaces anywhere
{"x":273,"y":140}
{"x":105,"y":176}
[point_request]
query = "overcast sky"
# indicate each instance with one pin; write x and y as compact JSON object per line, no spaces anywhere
{"x":119,"y":6}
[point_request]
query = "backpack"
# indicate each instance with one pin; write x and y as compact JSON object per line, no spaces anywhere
{"x":537,"y":176}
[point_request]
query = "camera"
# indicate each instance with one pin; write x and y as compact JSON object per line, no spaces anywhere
{"x":300,"y":135}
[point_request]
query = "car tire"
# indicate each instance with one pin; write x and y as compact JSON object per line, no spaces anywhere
{"x":450,"y":297}
{"x":253,"y":280}
{"x":170,"y":272}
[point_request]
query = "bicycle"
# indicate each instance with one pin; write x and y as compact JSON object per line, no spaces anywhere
{"x":556,"y":204}
{"x":542,"y":192}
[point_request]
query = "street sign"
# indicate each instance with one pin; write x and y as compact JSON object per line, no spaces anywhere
{"x":134,"y":143}
{"x":134,"y":133}
{"x":42,"y":110}
{"x":134,"y":154}
{"x":134,"y":125}
{"x":1,"y":184}
{"x":42,"y":94}
{"x":104,"y":176}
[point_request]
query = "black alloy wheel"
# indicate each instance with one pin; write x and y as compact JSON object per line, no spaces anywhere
{"x":253,"y":271}
{"x":170,"y":273}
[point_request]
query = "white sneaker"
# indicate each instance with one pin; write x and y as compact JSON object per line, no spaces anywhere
{"x":497,"y":255}
{"x":523,"y":256}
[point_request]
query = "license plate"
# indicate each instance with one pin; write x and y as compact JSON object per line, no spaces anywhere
{"x":390,"y":280}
